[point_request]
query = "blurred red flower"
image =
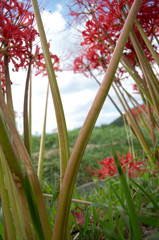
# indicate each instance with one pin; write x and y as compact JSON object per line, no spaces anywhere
{"x":79,"y":216}
{"x":135,"y":168}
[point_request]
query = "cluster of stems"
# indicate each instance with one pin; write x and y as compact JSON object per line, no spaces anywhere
{"x":24,"y":209}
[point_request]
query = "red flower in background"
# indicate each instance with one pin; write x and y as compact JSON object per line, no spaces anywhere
{"x":135,"y":89}
{"x":135,"y":168}
{"x":79,"y":216}
{"x":139,"y":110}
{"x":39,"y":62}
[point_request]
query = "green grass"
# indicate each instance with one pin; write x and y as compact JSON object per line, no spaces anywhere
{"x":98,"y":149}
{"x":109,"y":211}
{"x":108,"y":216}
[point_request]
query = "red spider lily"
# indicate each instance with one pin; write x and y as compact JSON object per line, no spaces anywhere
{"x":135,"y":168}
{"x":17,"y":36}
{"x":16,"y":31}
{"x":39,"y":62}
{"x":103,"y":22}
{"x":139,"y":110}
{"x":80,"y":216}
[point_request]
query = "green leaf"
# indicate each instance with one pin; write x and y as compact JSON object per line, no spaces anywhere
{"x":146,"y":194}
{"x":154,"y":222}
{"x":110,"y":212}
{"x":99,"y":205}
{"x":87,"y":218}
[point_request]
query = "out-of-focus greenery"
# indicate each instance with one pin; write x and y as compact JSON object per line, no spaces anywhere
{"x":97,"y":149}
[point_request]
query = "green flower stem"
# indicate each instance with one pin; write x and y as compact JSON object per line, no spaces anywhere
{"x":108,"y":94}
{"x":16,"y":173}
{"x":25,"y":112}
{"x":80,"y":145}
{"x":145,"y":62}
{"x":129,"y":68}
{"x":150,"y":78}
{"x":133,"y":101}
{"x":142,"y":87}
{"x":30,"y":108}
{"x":8,"y":87}
{"x":145,"y":38}
{"x":13,"y":197}
{"x":135,"y":127}
{"x":30,"y":171}
{"x":125,"y":109}
{"x":42,"y":143}
{"x":6,"y":205}
{"x":61,"y":124}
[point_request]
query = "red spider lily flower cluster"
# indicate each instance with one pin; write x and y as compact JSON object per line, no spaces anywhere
{"x":17,"y":37}
{"x":80,"y":216}
{"x":39,"y":62}
{"x":103,"y":22}
{"x":16,"y":31}
{"x":135,"y":168}
{"x":139,"y":110}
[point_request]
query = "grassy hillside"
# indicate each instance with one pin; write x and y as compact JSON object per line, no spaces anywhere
{"x":97,"y":150}
{"x":119,"y":122}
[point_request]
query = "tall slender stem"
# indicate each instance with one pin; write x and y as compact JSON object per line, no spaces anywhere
{"x":61,"y":123}
{"x":80,"y":145}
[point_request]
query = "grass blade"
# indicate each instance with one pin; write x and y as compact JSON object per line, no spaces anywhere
{"x":42,"y":142}
{"x":146,"y":194}
{"x":154,"y":222}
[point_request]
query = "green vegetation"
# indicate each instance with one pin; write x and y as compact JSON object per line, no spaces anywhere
{"x":108,"y":212}
{"x":97,"y":149}
{"x":103,"y":214}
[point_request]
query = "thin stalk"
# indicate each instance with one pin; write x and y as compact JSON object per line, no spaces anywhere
{"x":136,"y":127}
{"x":139,"y":81}
{"x":29,"y":169}
{"x":14,"y":199}
{"x":30,"y":108}
{"x":145,"y":38}
{"x":81,"y":143}
{"x":17,"y":175}
{"x":128,"y":66}
{"x":6,"y":205}
{"x":150,"y":78}
{"x":5,"y":234}
{"x":108,"y":94}
{"x":153,"y":137}
{"x":154,"y":34}
{"x":8,"y":87}
{"x":133,"y":101}
{"x":25,"y":112}
{"x":73,"y":200}
{"x":125,"y":109}
{"x":42,"y":143}
{"x":61,"y":123}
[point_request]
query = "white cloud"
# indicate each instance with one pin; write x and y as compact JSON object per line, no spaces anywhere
{"x":77,"y":91}
{"x":53,"y":22}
